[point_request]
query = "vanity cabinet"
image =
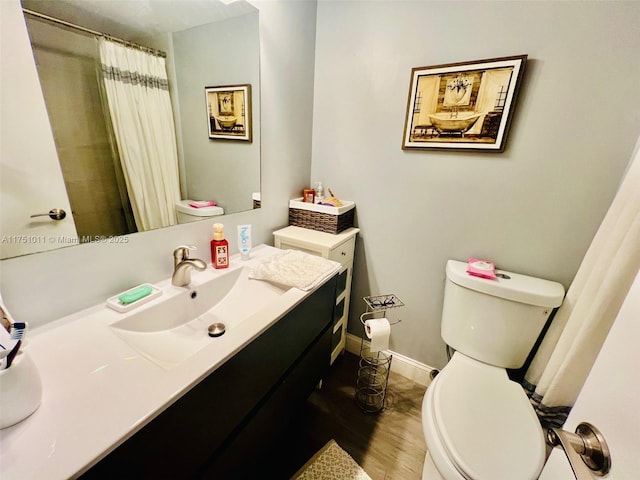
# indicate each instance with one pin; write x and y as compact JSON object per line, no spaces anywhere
{"x":226,"y":425}
{"x":340,"y":248}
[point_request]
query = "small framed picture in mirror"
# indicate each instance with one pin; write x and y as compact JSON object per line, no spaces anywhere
{"x":229,"y":112}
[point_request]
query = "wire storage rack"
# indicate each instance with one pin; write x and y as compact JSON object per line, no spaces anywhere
{"x":374,"y":367}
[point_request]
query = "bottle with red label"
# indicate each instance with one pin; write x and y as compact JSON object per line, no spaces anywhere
{"x":219,"y":247}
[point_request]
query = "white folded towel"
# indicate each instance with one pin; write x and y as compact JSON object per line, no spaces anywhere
{"x":294,"y":268}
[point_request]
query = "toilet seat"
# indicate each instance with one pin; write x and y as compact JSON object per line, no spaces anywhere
{"x":480,"y":425}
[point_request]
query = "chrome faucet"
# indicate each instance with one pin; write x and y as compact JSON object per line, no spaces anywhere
{"x":182,"y":265}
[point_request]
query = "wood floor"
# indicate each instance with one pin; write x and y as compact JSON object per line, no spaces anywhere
{"x":388,"y":445}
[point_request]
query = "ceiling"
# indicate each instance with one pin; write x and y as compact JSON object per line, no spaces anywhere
{"x":131,"y":18}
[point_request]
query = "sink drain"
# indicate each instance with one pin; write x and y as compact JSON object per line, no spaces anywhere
{"x":216,"y":329}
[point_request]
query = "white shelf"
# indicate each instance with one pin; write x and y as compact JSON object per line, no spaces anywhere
{"x":338,"y":247}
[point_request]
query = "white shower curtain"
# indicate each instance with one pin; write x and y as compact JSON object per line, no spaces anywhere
{"x":568,"y":350}
{"x":137,"y":93}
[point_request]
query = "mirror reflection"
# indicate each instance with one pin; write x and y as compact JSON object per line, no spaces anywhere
{"x":130,"y":121}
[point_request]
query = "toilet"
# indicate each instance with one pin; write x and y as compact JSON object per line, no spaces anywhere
{"x":478,"y":424}
{"x":186,"y":213}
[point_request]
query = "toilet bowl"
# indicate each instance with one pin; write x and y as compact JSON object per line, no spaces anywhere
{"x":186,"y":213}
{"x":478,"y":424}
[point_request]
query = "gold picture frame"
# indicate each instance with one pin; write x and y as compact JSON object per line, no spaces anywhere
{"x":229,"y":112}
{"x":462,"y":106}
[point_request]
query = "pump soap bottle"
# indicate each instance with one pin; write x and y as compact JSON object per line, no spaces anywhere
{"x":319,"y":192}
{"x":219,"y":247}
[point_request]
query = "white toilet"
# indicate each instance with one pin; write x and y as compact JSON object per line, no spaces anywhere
{"x":478,"y":424}
{"x":186,"y":213}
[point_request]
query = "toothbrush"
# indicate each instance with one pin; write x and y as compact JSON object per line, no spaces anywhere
{"x":8,"y":349}
{"x":4,"y":351}
{"x":7,"y":345}
{"x":12,"y":354}
{"x":18,"y":330}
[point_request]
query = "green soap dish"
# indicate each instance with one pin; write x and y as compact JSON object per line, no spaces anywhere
{"x":134,"y":297}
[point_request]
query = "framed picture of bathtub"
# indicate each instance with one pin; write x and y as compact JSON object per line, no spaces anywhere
{"x":462,"y":106}
{"x":229,"y":112}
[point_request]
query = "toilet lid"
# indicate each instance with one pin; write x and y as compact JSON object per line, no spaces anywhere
{"x":486,"y":422}
{"x":183,"y":207}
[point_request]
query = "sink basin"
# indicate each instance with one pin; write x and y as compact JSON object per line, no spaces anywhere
{"x":175,"y":328}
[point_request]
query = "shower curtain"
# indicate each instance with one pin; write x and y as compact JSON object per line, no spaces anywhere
{"x":137,"y":93}
{"x":569,"y":348}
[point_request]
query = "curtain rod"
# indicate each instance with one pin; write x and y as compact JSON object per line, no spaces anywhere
{"x":153,"y":51}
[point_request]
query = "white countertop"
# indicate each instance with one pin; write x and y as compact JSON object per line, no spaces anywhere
{"x":316,"y":238}
{"x":98,"y":391}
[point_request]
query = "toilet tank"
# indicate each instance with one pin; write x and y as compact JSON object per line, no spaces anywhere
{"x":496,"y":321}
{"x":186,"y":213}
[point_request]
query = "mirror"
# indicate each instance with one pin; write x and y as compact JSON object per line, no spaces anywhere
{"x":207,"y":43}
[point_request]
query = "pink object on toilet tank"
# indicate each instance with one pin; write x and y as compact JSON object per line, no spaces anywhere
{"x":202,"y":204}
{"x":481,"y":268}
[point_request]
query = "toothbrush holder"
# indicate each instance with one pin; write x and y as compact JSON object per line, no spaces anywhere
{"x":21,"y":389}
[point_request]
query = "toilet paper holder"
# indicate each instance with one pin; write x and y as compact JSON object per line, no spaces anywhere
{"x":374,"y":367}
{"x":380,"y":303}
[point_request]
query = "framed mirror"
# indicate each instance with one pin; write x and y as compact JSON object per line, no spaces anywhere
{"x":202,"y":43}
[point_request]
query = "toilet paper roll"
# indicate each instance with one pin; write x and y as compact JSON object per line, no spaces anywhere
{"x":378,"y":331}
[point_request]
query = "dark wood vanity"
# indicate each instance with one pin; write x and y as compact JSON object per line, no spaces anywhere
{"x":229,"y":424}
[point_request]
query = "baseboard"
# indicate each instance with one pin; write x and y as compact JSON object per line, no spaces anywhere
{"x":401,"y":364}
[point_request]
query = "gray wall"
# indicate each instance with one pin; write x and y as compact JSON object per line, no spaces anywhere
{"x":42,"y":287}
{"x":225,"y":53}
{"x":532,"y":209}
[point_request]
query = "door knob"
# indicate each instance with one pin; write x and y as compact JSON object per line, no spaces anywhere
{"x":54,"y":214}
{"x":586,"y":450}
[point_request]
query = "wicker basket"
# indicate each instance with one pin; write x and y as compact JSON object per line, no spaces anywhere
{"x":322,"y":218}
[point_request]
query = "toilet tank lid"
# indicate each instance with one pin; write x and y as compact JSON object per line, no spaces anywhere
{"x":517,"y":287}
{"x":184,"y":207}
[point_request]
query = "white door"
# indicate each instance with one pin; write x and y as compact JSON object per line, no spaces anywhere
{"x":30,"y":174}
{"x":610,"y":398}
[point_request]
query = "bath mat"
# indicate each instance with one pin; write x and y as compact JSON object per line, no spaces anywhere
{"x":331,"y":463}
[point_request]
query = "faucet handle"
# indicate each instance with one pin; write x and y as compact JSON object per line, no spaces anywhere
{"x":181,"y":253}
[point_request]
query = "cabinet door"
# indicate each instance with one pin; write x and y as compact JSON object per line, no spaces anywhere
{"x":267,"y":438}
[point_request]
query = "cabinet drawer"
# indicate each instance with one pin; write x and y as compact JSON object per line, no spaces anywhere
{"x":342,"y":282}
{"x":343,"y":253}
{"x":335,"y":338}
{"x":338,"y":312}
